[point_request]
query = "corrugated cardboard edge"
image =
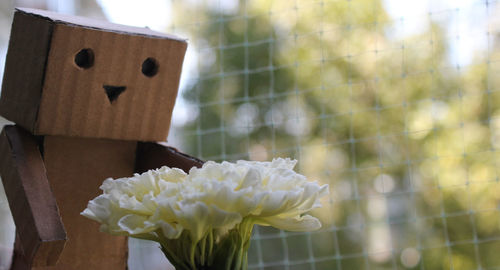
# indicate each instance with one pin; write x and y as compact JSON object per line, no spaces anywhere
{"x":97,"y":24}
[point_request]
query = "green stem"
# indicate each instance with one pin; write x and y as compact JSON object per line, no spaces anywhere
{"x":170,"y":254}
{"x":229,"y":252}
{"x":202,"y":253}
{"x":229,"y":260}
{"x":238,"y":258}
{"x":191,"y":255}
{"x":210,"y":246}
{"x":185,"y":247}
{"x":174,"y":259}
{"x":245,"y":260}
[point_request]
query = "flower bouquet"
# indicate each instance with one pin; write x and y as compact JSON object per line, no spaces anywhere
{"x":204,"y":219}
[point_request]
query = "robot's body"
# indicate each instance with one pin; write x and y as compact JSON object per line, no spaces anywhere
{"x":89,"y":100}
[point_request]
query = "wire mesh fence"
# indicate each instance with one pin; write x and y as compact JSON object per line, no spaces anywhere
{"x":394,"y":104}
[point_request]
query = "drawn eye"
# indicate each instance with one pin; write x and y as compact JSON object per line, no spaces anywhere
{"x":149,"y":67}
{"x":84,"y":58}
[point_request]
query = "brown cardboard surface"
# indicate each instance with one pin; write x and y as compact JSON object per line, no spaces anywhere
{"x":64,"y":99}
{"x":24,"y":69}
{"x":75,"y":102}
{"x":154,"y":155}
{"x":76,"y":168}
{"x":41,"y":234}
{"x":19,"y":261}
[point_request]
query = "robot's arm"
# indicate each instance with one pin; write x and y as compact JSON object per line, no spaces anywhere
{"x":40,"y":234}
{"x":154,"y":155}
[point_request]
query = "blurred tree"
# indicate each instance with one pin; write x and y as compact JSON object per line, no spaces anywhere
{"x":406,"y":141}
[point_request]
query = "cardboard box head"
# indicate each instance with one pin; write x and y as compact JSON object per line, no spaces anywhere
{"x":73,"y":76}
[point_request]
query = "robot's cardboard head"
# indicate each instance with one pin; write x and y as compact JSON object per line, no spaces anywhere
{"x":72,"y":76}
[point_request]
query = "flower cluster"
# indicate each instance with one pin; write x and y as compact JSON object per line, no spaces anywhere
{"x":207,"y":205}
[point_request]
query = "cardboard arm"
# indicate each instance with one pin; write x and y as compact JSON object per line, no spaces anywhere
{"x":154,"y":155}
{"x":40,"y":233}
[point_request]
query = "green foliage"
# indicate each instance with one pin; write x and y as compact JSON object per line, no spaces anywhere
{"x":406,"y":141}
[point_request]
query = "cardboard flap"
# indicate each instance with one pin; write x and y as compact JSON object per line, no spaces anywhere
{"x":41,"y":232}
{"x":24,"y":72}
{"x":154,"y":155}
{"x":97,"y":24}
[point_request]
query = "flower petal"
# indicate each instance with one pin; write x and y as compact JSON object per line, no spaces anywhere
{"x":298,"y":224}
{"x":134,"y":224}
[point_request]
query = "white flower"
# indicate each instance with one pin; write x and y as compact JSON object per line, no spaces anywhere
{"x":128,"y":206}
{"x":211,"y":201}
{"x":270,"y":193}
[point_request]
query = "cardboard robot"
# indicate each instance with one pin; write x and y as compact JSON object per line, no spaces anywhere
{"x":89,"y":100}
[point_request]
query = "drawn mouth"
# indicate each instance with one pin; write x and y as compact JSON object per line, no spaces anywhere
{"x":113,"y":91}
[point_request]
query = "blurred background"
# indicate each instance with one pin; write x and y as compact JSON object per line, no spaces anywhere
{"x":395,"y":104}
